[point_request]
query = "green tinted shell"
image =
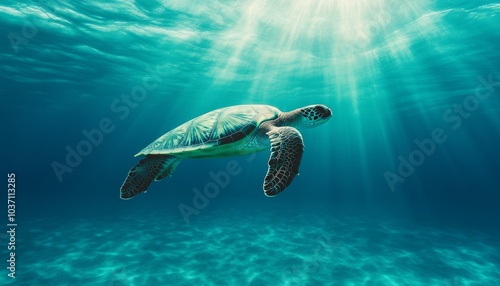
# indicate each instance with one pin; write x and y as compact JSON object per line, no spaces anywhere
{"x":216,"y":128}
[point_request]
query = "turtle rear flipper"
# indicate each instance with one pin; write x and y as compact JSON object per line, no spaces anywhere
{"x":141,"y":175}
{"x":287,"y":147}
{"x":171,"y":165}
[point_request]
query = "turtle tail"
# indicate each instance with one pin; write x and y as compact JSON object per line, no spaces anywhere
{"x":148,"y":169}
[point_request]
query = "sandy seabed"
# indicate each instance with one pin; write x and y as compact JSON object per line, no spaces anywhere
{"x":233,"y":248}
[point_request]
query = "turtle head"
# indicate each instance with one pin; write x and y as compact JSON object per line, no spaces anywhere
{"x":314,"y":115}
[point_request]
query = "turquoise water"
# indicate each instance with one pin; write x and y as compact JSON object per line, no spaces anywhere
{"x":400,"y":187}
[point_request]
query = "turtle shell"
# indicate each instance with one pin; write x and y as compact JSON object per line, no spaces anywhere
{"x":216,"y":128}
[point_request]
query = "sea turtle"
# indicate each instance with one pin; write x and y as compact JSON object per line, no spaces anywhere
{"x":230,"y":131}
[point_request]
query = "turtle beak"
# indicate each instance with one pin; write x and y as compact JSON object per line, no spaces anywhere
{"x":328,"y":112}
{"x":325,"y":111}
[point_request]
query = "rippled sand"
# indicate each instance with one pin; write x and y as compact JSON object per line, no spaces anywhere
{"x":231,"y":248}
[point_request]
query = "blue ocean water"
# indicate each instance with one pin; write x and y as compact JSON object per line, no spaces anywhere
{"x":400,"y":187}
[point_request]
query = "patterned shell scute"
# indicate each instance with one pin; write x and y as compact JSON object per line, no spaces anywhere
{"x":218,"y":127}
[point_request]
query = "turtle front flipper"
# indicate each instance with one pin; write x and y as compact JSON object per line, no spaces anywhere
{"x":287,"y":147}
{"x":148,"y":169}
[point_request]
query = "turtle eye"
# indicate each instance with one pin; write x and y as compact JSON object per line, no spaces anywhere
{"x":316,"y":112}
{"x":323,"y":111}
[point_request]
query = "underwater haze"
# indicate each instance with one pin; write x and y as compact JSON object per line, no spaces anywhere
{"x":400,"y":187}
